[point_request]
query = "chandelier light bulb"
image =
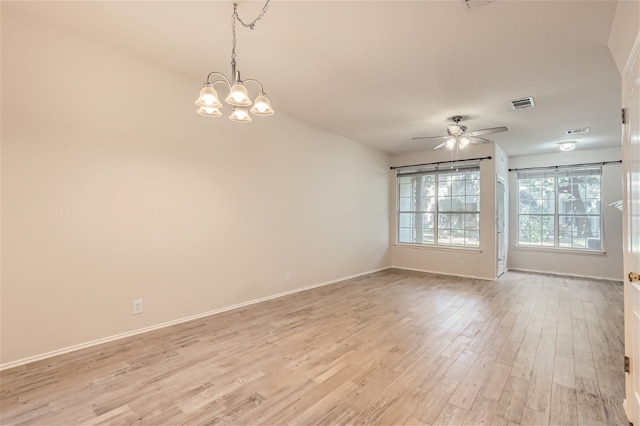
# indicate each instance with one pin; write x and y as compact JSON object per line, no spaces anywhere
{"x":209,"y":112}
{"x":208,"y":97}
{"x":240,"y":115}
{"x":451,"y":143}
{"x":262,"y":106}
{"x":238,"y":96}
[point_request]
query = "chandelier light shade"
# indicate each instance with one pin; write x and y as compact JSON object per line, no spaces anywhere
{"x":238,"y":97}
{"x":208,"y":97}
{"x":209,"y":111}
{"x":240,"y":115}
{"x":262,"y":106}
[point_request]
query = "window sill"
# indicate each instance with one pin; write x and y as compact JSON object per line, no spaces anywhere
{"x":439,"y":248}
{"x":562,"y":250}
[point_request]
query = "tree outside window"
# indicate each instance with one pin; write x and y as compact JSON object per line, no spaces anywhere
{"x":560,"y":208}
{"x":440,"y":208}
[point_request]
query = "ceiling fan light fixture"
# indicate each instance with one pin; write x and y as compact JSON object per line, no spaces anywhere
{"x":455,"y":129}
{"x":451,"y":143}
{"x":457,"y":135}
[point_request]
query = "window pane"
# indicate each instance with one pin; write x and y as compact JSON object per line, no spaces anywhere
{"x":569,"y":198}
{"x":451,"y":193}
{"x":415,"y":228}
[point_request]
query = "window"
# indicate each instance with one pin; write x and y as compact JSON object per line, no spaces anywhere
{"x":439,"y":208}
{"x":560,"y":208}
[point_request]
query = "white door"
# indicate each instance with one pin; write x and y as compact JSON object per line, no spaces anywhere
{"x":500,"y":214}
{"x":631,"y":223}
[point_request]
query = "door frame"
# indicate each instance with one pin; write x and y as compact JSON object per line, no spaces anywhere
{"x":631,"y":170}
{"x":501,"y":228}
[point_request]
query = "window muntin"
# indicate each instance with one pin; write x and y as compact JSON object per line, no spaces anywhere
{"x":440,"y":208}
{"x":560,"y":208}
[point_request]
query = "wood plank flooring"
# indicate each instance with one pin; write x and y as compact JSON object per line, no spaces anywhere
{"x":394,"y":347}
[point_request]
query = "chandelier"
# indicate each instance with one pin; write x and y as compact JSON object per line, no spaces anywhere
{"x":208,"y":102}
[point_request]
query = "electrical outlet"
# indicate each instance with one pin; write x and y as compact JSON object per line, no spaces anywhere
{"x":137,"y":306}
{"x":462,"y":263}
{"x":287,"y":277}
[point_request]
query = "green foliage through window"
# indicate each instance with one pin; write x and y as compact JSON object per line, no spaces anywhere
{"x":440,"y":208}
{"x":560,"y":208}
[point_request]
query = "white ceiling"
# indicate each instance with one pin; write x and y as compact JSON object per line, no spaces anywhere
{"x":382,"y":72}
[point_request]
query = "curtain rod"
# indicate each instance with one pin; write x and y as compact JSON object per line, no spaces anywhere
{"x":440,"y":162}
{"x":604,"y":163}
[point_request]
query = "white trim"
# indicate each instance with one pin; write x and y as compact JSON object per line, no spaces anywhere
{"x":457,"y":249}
{"x":565,"y":274}
{"x":92,"y":343}
{"x":635,"y":51}
{"x":561,"y":250}
{"x":443,"y":273}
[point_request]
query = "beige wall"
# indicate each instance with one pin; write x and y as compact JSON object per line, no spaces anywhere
{"x":608,"y":265}
{"x":477,"y":263}
{"x":114,"y":189}
{"x":625,"y":30}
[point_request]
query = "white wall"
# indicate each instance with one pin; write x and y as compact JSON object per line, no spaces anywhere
{"x":114,"y":189}
{"x":608,"y":265}
{"x":477,"y":263}
{"x":624,"y":31}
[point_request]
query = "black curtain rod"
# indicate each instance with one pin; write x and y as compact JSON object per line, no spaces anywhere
{"x":440,"y":162}
{"x":568,"y":165}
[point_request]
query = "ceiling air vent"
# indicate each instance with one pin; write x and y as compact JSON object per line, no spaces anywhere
{"x":577,"y":131}
{"x":523,"y":103}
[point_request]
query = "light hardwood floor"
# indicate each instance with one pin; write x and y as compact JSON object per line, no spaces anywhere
{"x":394,"y":347}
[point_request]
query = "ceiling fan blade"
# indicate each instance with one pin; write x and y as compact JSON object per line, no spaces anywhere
{"x":440,"y":145}
{"x":475,"y":140}
{"x":487,"y":131}
{"x":430,"y":137}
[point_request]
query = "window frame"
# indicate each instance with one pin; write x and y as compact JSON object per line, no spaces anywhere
{"x":437,"y":212}
{"x":556,"y":173}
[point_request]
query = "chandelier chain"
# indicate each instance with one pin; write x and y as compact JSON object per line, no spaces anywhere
{"x":253,"y":23}
{"x":236,"y":18}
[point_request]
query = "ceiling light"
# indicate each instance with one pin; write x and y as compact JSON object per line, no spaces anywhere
{"x":209,"y":111}
{"x":238,"y":97}
{"x":451,"y":143}
{"x":567,"y":146}
{"x":240,"y":115}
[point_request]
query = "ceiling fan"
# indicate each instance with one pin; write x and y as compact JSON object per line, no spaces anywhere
{"x":457,"y":135}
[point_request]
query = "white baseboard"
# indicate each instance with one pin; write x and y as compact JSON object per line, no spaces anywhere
{"x":96,"y":342}
{"x":562,"y":274}
{"x":443,"y":273}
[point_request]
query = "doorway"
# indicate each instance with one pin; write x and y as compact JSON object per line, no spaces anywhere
{"x":500,"y":226}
